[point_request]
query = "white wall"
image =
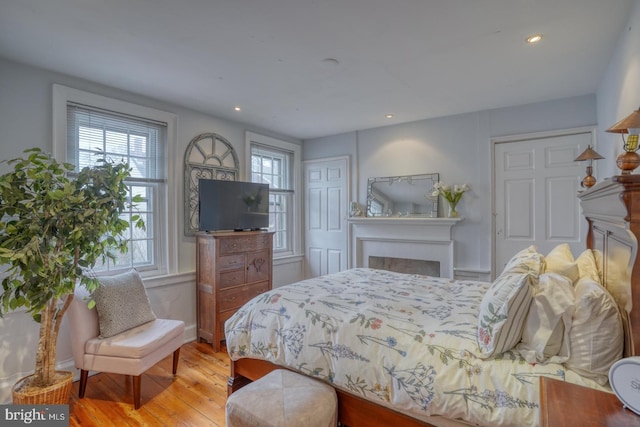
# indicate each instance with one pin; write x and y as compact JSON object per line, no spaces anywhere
{"x":619,"y":91}
{"x":26,"y":121}
{"x":458,"y":147}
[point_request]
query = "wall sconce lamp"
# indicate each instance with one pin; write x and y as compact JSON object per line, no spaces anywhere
{"x":590,"y":155}
{"x":629,"y":160}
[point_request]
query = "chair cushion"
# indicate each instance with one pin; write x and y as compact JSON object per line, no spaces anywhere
{"x":283,"y":398}
{"x":137,"y":342}
{"x":122,"y":303}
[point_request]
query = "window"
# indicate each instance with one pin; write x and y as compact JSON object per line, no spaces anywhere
{"x":93,"y":135}
{"x":99,"y":128}
{"x":273,"y":162}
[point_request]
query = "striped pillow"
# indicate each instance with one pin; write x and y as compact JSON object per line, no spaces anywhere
{"x":505,"y":306}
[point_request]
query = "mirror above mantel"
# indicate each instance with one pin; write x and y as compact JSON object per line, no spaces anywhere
{"x":405,"y":196}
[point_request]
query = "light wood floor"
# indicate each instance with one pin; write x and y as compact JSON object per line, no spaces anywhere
{"x":194,"y":397}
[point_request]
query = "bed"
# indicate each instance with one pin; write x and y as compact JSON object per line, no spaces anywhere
{"x":414,"y":350}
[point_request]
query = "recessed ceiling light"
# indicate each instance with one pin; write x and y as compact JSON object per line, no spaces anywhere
{"x":331,"y":61}
{"x":389,"y":116}
{"x":237,"y":108}
{"x":534,"y":38}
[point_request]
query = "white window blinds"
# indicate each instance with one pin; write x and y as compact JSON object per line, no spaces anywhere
{"x":94,"y":134}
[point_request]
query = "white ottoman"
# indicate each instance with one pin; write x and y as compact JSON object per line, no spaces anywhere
{"x":283,"y":399}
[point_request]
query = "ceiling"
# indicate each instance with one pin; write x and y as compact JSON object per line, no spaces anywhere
{"x":311,"y":68}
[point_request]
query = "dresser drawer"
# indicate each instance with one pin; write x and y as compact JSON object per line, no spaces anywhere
{"x":231,"y":278}
{"x":230,"y":262}
{"x":258,"y":266}
{"x":244,"y":244}
{"x":234,"y":298}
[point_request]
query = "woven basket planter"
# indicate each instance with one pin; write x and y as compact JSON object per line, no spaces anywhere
{"x":56,"y":394}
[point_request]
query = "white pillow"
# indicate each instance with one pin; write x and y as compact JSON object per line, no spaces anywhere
{"x":596,"y":336}
{"x":587,"y":266}
{"x":597,"y":255}
{"x":545,"y":336}
{"x":560,"y":260}
{"x":505,"y":306}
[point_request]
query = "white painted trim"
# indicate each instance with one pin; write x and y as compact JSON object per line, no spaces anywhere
{"x":544,"y":134}
{"x":444,"y":256}
{"x":433,"y":237}
{"x":297,"y":181}
{"x":188,"y":278}
{"x":169,"y":216}
{"x":289,"y":259}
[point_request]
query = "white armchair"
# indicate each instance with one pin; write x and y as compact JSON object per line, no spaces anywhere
{"x":131,"y":352}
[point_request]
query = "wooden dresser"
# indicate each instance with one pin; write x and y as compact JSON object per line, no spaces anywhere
{"x":231,"y":268}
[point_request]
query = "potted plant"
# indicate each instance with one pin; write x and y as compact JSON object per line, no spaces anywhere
{"x":54,"y":227}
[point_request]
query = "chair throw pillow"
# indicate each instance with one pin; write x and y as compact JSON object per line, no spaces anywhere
{"x":122,"y":303}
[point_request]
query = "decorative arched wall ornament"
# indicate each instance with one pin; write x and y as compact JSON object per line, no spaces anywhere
{"x":208,"y":156}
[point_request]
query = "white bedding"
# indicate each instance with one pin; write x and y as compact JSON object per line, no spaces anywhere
{"x":404,"y":341}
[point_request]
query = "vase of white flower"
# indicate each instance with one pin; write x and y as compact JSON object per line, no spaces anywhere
{"x":451,"y":194}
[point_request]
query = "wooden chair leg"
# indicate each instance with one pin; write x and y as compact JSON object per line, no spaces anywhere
{"x":176,"y":357}
{"x":137,"y":380}
{"x":83,"y":382}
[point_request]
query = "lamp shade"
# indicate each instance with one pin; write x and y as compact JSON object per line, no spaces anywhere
{"x":588,"y":154}
{"x":630,"y":122}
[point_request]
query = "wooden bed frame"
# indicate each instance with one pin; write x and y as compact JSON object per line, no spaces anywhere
{"x":612,"y":210}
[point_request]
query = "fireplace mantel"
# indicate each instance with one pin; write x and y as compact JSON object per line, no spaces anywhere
{"x":403,"y":237}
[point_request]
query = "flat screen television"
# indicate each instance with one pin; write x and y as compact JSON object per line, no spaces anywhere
{"x":232,"y":205}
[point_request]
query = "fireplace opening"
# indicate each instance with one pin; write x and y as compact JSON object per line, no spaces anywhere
{"x":405,"y":265}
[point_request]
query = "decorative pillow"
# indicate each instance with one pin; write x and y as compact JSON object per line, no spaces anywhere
{"x":503,"y":311}
{"x":560,"y":260}
{"x":505,"y":306}
{"x":545,"y":336}
{"x":122,"y":303}
{"x":587,"y":266}
{"x":596,"y":336}
{"x":525,"y":261}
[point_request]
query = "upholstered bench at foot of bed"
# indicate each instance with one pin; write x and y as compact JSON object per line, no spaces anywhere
{"x":283,"y":399}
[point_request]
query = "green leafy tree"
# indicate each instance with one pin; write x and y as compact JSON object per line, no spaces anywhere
{"x":54,"y":227}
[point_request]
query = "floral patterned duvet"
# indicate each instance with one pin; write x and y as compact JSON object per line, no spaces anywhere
{"x":404,"y":341}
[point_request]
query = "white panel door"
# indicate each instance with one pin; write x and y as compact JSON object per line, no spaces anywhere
{"x":326,"y":200}
{"x":535,"y":197}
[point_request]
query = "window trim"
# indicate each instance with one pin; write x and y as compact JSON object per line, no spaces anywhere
{"x":167,"y":250}
{"x":296,"y":149}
